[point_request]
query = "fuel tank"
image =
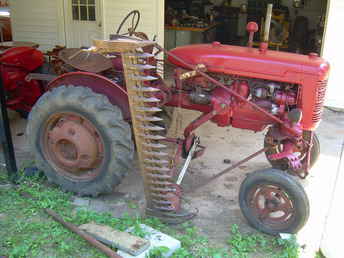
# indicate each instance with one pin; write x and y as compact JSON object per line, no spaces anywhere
{"x":252,"y":62}
{"x":22,"y":57}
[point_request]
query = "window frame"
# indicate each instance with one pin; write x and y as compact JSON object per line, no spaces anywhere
{"x":80,"y":16}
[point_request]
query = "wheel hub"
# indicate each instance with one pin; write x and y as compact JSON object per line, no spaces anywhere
{"x":272,"y":205}
{"x":73,"y":144}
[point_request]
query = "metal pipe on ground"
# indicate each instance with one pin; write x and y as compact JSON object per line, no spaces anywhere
{"x":103,"y":248}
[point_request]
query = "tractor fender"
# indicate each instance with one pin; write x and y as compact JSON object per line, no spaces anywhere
{"x":99,"y":84}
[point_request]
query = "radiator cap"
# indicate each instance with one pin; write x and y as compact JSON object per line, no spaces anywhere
{"x":216,"y":44}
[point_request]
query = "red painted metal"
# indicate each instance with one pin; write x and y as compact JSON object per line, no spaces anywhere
{"x":219,"y":84}
{"x":198,"y":122}
{"x":288,"y":153}
{"x":271,"y":205}
{"x":222,"y":105}
{"x":247,"y":117}
{"x":251,"y":27}
{"x":22,"y":57}
{"x":15,"y":65}
{"x":307,"y":71}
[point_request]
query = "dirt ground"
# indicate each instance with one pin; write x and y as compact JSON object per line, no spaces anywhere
{"x":217,"y":203}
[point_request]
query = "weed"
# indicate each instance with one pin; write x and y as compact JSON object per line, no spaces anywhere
{"x":243,"y":245}
{"x":132,"y":205}
{"x":319,"y":254}
{"x":157,"y":252}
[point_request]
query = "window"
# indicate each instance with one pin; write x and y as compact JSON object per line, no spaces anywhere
{"x":84,"y":10}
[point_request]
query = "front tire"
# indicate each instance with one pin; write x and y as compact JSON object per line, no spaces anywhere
{"x":273,"y":202}
{"x":80,"y":140}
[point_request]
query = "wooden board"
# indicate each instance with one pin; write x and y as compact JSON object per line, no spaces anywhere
{"x":118,"y":239}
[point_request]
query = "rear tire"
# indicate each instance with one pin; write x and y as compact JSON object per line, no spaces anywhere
{"x":273,"y":202}
{"x":113,"y":135}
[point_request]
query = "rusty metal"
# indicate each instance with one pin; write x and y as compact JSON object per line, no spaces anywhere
{"x":103,"y":248}
{"x":74,"y":145}
{"x":40,"y":77}
{"x":225,"y":171}
{"x":157,"y":178}
{"x":85,"y":60}
{"x":54,"y":60}
{"x":162,"y":198}
{"x":193,"y":73}
{"x":271,"y":205}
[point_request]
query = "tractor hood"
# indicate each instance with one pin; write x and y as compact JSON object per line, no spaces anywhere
{"x":251,"y":62}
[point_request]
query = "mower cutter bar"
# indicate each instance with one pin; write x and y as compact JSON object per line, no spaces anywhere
{"x":154,"y":160}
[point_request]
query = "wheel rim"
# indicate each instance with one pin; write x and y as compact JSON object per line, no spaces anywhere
{"x":272,"y":206}
{"x":73,"y":146}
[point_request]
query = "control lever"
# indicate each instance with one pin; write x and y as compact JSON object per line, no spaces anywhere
{"x":193,"y":148}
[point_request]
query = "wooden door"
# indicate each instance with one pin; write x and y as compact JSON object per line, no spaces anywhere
{"x":83,"y":22}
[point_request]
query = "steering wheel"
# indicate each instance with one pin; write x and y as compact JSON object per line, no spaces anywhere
{"x":135,"y":19}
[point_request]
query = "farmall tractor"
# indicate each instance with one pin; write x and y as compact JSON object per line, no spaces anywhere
{"x":85,"y":122}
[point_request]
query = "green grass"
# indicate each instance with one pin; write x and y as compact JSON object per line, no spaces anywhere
{"x":27,"y":231}
{"x":243,"y":245}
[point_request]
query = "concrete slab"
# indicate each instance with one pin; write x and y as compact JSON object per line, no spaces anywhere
{"x":78,"y":201}
{"x":321,"y":183}
{"x":157,"y":239}
{"x":123,"y":241}
{"x":331,"y":241}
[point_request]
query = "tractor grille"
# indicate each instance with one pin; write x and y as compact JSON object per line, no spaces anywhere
{"x":319,"y":100}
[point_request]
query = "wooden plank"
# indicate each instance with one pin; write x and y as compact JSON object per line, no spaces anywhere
{"x":118,"y":239}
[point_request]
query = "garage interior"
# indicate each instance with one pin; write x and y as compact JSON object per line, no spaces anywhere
{"x":297,"y":25}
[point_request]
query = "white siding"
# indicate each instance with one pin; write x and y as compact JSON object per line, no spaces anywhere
{"x":333,"y":52}
{"x":152,"y":16}
{"x":39,"y":21}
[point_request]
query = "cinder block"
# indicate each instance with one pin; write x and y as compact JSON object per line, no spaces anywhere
{"x":81,"y":201}
{"x":156,"y":239}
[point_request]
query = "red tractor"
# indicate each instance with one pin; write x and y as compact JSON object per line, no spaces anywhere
{"x":81,"y":127}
